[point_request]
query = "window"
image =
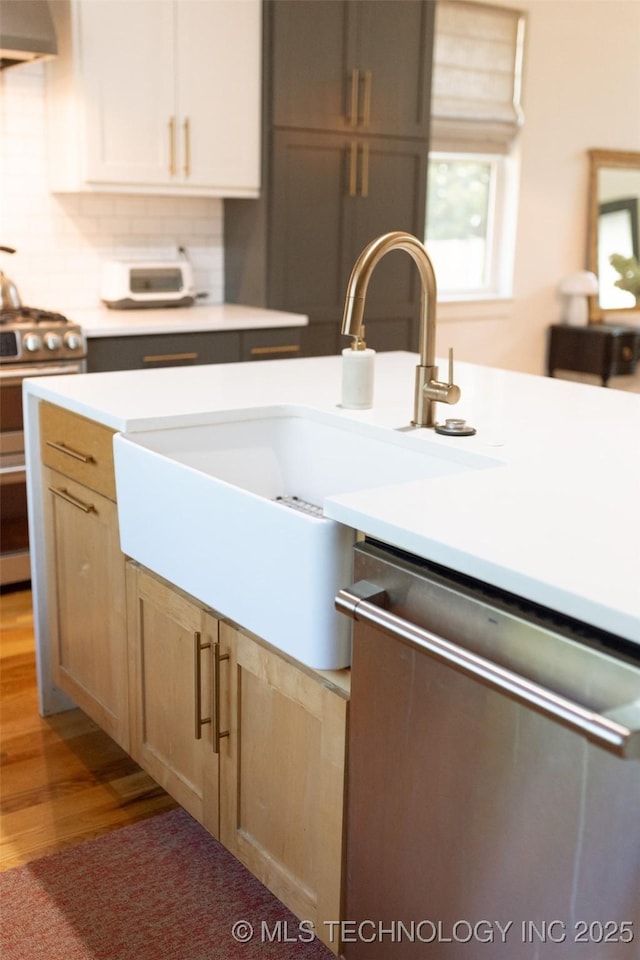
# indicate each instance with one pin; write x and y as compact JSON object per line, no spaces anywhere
{"x":470,"y":224}
{"x":473,"y":164}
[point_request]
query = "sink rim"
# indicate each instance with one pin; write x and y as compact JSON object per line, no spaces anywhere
{"x":443,"y":448}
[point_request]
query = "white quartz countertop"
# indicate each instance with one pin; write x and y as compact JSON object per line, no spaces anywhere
{"x":100,"y":321}
{"x":556,"y":520}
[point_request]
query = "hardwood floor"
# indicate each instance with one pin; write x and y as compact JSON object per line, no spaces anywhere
{"x":63,"y":779}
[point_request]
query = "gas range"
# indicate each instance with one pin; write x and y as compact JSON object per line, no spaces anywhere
{"x":29,"y":335}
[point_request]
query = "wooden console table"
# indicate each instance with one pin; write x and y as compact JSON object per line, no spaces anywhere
{"x":602,"y":349}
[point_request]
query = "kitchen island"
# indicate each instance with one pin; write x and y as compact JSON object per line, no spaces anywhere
{"x":543,"y":508}
{"x":556,"y":522}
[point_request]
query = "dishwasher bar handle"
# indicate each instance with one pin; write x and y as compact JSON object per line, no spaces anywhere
{"x":362,"y":602}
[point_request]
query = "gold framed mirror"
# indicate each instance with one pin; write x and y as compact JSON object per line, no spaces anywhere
{"x":613,"y":251}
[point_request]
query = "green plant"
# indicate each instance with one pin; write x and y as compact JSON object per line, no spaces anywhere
{"x":629,"y":270}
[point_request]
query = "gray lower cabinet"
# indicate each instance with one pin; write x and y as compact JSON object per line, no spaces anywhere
{"x":180,"y":349}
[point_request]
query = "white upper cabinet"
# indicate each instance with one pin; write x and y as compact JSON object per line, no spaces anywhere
{"x":156,"y":96}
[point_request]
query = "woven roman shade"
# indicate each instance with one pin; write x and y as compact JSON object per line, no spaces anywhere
{"x":477,"y":71}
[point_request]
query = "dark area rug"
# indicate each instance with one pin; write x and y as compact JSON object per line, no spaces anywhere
{"x":162,"y":889}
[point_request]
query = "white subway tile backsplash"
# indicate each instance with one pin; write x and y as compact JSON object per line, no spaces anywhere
{"x":62,"y":239}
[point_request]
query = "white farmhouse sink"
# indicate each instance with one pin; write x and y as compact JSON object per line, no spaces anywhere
{"x":199,"y":506}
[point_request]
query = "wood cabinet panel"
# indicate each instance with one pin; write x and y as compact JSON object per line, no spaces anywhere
{"x":282,"y":778}
{"x":172,"y":641}
{"x":78,"y":447}
{"x":86,"y":589}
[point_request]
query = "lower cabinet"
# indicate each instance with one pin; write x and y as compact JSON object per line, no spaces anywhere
{"x":85,"y":569}
{"x":251,"y":744}
{"x":282,"y":771}
{"x":148,"y":351}
{"x":88,"y":588}
{"x":172,"y":646}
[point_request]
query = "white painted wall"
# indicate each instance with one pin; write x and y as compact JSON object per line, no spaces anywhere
{"x":582,"y":90}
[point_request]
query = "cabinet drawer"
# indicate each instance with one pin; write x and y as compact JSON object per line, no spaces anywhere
{"x":78,"y":448}
{"x":161,"y":350}
{"x":624,"y":351}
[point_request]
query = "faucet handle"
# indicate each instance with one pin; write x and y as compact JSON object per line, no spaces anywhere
{"x":443,"y":392}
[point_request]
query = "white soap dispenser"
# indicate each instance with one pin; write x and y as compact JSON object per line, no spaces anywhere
{"x":357,"y":375}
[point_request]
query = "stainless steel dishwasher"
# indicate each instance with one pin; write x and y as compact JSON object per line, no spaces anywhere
{"x":494,"y":774}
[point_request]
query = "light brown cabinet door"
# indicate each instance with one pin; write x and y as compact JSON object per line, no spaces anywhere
{"x":282,"y":778}
{"x":86,"y":587}
{"x":172,"y":647}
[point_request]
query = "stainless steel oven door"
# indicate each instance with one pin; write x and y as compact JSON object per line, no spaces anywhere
{"x":14,"y":555}
{"x":14,"y":533}
{"x":11,"y":378}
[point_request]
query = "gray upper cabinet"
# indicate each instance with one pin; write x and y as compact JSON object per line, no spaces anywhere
{"x":362,"y":66}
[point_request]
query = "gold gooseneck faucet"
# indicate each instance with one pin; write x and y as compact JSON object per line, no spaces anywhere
{"x":428,"y":389}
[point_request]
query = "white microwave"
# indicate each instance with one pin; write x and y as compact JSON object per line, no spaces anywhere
{"x":131,"y":285}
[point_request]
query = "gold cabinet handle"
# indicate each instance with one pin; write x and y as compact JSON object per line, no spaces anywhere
{"x":70,"y":452}
{"x":355,"y":85}
{"x":218,"y":734}
{"x":353,"y":169}
{"x":364,"y":180}
{"x":198,"y":647}
{"x":172,"y":146}
{"x":64,"y":494}
{"x":164,"y":357}
{"x":366,"y":98}
{"x":266,"y":351}
{"x":187,"y":147}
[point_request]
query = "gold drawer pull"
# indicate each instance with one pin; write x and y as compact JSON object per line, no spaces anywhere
{"x":353,"y":169}
{"x":355,"y":83}
{"x":164,"y":357}
{"x":364,"y":186}
{"x":218,"y":734}
{"x":64,"y":494}
{"x":172,"y":146}
{"x":187,"y":148}
{"x":366,"y":110}
{"x":70,"y":452}
{"x":265,"y":351}
{"x":627,"y":353}
{"x":198,"y":647}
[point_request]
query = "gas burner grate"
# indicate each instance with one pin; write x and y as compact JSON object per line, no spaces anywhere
{"x":31,"y":315}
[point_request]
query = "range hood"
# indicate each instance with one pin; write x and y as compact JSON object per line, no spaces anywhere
{"x":27,"y":32}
